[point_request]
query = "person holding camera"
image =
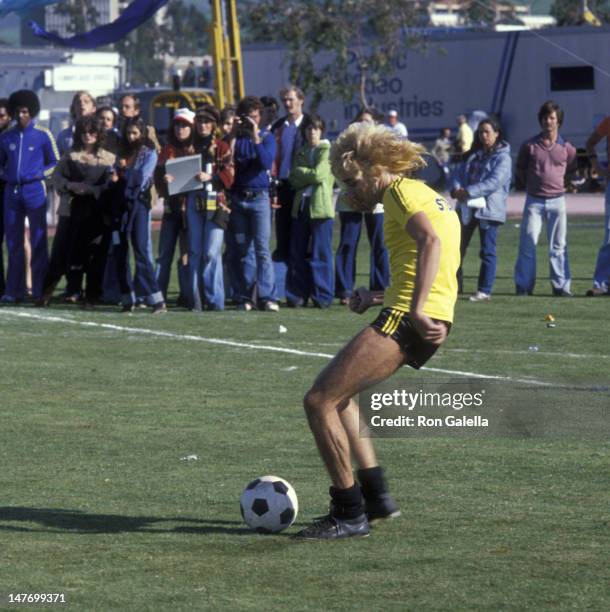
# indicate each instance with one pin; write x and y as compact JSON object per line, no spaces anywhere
{"x":253,"y":155}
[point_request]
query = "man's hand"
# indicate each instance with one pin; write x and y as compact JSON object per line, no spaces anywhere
{"x":168,"y":178}
{"x":361,"y":300}
{"x":460,"y":194}
{"x":431,"y":331}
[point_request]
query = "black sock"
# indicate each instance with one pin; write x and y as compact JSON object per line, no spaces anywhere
{"x":372,"y":482}
{"x":347,"y":503}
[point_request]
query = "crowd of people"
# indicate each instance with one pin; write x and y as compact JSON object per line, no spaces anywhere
{"x":258,"y":171}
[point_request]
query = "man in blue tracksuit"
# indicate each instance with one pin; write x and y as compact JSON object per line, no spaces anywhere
{"x":28,"y":155}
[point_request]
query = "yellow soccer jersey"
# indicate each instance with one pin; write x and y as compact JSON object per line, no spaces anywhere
{"x":401,"y":200}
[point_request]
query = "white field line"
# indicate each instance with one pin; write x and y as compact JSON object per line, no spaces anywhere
{"x":235,"y":344}
{"x":529,"y":352}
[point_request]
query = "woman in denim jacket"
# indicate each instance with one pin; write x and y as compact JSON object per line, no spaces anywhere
{"x":485,"y":176}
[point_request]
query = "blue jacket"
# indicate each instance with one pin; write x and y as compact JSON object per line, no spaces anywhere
{"x":493,"y":184}
{"x":27,"y":156}
{"x":253,"y":162}
{"x":139,"y":176}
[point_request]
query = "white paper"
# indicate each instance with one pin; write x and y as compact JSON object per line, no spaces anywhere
{"x":183,"y":169}
{"x":476,"y":202}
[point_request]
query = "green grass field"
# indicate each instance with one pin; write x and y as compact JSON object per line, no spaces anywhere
{"x":98,"y":503}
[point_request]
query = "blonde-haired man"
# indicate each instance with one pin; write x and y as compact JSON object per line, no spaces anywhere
{"x":422,"y":234}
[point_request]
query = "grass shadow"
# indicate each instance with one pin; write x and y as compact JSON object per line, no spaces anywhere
{"x":57,"y":520}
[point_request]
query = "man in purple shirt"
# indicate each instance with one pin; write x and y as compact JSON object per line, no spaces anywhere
{"x":542,"y":165}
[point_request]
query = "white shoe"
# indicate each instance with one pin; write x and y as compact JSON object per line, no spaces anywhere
{"x":479,"y":296}
{"x":245,"y":306}
{"x":272,"y":307}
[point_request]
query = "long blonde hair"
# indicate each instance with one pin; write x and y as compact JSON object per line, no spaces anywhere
{"x":365,"y":156}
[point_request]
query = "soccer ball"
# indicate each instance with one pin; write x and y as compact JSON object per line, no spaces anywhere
{"x":269,"y":504}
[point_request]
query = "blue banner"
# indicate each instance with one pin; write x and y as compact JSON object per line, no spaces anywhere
{"x":21,"y":7}
{"x":131,"y":18}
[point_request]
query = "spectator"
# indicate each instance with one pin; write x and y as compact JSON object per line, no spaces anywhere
{"x":80,"y":178}
{"x":112,"y":138}
{"x":205,"y":74}
{"x":464,"y":137}
{"x":129,"y":108}
{"x":83,"y":105}
{"x":269,"y":114}
{"x":173,"y":224}
{"x":140,"y":160}
{"x":367,"y":115}
{"x":351,"y":227}
{"x":227,"y":118}
{"x":5,"y":120}
{"x":254,"y":152}
{"x":396,"y":126}
{"x":311,"y":254}
{"x":601,"y":275}
{"x":289,"y":139}
{"x":28,"y":154}
{"x":442,"y":148}
{"x":542,"y":165}
{"x":189,"y":78}
{"x":208,"y":214}
{"x":485,"y":176}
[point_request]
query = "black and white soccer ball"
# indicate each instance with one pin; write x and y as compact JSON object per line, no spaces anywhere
{"x":269,"y":504}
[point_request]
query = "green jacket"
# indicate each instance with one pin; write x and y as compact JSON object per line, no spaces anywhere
{"x":316,"y":173}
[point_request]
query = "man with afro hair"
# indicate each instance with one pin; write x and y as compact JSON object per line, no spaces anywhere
{"x":28,"y":154}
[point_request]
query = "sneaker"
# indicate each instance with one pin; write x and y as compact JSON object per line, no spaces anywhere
{"x":129,"y":308}
{"x":333,"y":528}
{"x":272,"y":306}
{"x":295,"y":303}
{"x":479,"y":296}
{"x":159,"y":308}
{"x":596,"y":292}
{"x":562,"y":293}
{"x":72,"y":299}
{"x":381,"y":508}
{"x":245,"y":306}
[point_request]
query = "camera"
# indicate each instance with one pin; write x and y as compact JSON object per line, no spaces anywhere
{"x":245,"y":127}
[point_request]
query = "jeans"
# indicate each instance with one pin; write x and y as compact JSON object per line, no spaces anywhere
{"x":205,"y":240}
{"x":601,"y":275}
{"x":172,"y":226}
{"x":28,"y":200}
{"x":233,"y":263}
{"x":553,"y":210}
{"x":311,"y":274}
{"x":345,"y":259}
{"x":488,"y":233}
{"x":138,"y":232}
{"x":251,"y":222}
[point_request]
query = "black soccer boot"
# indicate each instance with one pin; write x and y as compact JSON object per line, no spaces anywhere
{"x":346,"y":518}
{"x":378,"y":501}
{"x":333,"y":528}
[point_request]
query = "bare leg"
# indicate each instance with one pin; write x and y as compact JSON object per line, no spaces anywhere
{"x":366,"y":360}
{"x":362,"y":448}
